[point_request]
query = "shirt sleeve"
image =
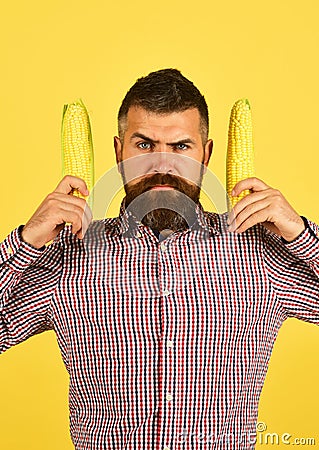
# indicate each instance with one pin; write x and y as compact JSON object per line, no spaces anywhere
{"x":293,"y":271}
{"x":28,"y":278}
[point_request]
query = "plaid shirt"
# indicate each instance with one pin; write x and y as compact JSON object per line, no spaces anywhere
{"x":166,"y":342}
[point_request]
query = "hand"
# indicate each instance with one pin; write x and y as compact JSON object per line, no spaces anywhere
{"x":264,"y":205}
{"x":59,"y":207}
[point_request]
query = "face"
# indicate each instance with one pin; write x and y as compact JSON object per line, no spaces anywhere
{"x":162,"y":160}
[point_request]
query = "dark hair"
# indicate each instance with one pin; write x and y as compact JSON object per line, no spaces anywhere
{"x":163,"y":92}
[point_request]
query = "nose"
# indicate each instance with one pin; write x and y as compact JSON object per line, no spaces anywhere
{"x":163,"y":162}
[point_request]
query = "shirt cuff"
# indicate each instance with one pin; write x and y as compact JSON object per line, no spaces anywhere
{"x":306,"y":244}
{"x":18,"y":253}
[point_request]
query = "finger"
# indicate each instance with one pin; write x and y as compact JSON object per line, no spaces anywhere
{"x":244,"y":202}
{"x":257,"y":217}
{"x":73,"y":214}
{"x":248,"y":211}
{"x":67,"y":199}
{"x":252,"y":183}
{"x":86,"y":220}
{"x":53,"y":203}
{"x":73,"y":217}
{"x":69,"y":182}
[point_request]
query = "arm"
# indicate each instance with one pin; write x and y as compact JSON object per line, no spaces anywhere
{"x":30,"y":270}
{"x":28,"y":278}
{"x":293,"y":270}
{"x":291,"y":251}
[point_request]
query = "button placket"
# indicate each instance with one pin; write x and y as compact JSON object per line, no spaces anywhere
{"x":167,"y":291}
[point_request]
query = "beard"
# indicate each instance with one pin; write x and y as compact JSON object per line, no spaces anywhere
{"x":173,"y":209}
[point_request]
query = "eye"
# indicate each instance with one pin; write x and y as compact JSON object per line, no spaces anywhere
{"x":182,"y":147}
{"x":144,"y":145}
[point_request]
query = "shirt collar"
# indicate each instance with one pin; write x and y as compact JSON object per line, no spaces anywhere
{"x":209,"y":222}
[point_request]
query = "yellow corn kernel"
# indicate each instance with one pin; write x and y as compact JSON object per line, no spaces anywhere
{"x":240,"y":153}
{"x":77,"y":145}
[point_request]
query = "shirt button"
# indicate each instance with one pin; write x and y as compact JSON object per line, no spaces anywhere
{"x":166,"y":448}
{"x":169,"y":397}
{"x":138,"y":234}
{"x":10,"y":251}
{"x":169,"y":344}
{"x":163,"y":247}
{"x":166,"y":293}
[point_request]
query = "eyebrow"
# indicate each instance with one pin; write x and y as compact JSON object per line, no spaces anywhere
{"x":146,"y":138}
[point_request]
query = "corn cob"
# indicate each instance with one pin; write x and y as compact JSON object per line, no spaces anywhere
{"x":240,"y":157}
{"x":77,"y":145}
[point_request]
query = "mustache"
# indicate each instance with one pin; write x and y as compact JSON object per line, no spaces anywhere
{"x":178,"y":183}
{"x":159,"y":178}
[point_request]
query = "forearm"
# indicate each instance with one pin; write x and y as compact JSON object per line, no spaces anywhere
{"x":293,"y":271}
{"x":15,"y":257}
{"x":28,"y":278}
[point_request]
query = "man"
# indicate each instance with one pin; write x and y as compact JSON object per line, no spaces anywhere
{"x":165,"y":316}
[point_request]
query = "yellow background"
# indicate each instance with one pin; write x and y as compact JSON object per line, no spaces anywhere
{"x":53,"y":52}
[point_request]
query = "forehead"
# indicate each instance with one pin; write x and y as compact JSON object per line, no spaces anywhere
{"x":172,"y":125}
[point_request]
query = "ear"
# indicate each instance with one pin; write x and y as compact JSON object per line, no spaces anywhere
{"x":118,"y":149}
{"x":208,"y":150}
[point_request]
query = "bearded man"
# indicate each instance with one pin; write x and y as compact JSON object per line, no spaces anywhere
{"x":166,"y":315}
